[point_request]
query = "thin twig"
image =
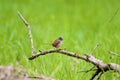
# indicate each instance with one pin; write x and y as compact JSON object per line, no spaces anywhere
{"x":94,"y":49}
{"x":100,"y":75}
{"x":29,"y":31}
{"x":113,"y":53}
{"x":86,"y":71}
{"x":95,"y":74}
{"x":40,"y":77}
{"x":91,"y":69}
{"x":114,"y":14}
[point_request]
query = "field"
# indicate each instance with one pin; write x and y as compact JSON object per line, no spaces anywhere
{"x":81,"y":23}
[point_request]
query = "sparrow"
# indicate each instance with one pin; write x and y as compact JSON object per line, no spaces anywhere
{"x":57,"y":43}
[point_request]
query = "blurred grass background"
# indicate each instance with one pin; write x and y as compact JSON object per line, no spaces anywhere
{"x":81,"y":23}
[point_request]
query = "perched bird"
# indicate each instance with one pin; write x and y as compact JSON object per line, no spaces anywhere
{"x":57,"y":43}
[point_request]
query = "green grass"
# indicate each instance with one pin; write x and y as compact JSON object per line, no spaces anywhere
{"x":81,"y":23}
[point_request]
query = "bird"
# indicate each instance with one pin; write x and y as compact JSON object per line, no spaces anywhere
{"x":58,"y":42}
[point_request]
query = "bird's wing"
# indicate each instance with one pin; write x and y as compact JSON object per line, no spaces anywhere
{"x":56,"y":42}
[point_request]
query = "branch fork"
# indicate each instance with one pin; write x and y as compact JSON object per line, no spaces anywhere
{"x":99,"y":64}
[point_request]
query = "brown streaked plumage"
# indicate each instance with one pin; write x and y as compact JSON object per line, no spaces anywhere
{"x":57,"y":43}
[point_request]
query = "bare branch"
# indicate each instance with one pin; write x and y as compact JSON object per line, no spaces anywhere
{"x":101,"y":66}
{"x":113,"y":53}
{"x":58,"y":51}
{"x":94,"y":49}
{"x":89,"y":58}
{"x":29,"y":31}
{"x":114,"y":67}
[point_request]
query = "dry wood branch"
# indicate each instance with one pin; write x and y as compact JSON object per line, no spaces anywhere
{"x":58,"y":51}
{"x":89,"y":58}
{"x":101,"y":66}
{"x":29,"y":31}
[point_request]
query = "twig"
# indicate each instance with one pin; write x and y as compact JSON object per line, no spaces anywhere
{"x":91,"y":69}
{"x":40,"y":77}
{"x":94,"y":49}
{"x":95,"y":74}
{"x":114,"y":14}
{"x":100,"y":75}
{"x":86,"y":71}
{"x":113,"y":53}
{"x":29,"y":31}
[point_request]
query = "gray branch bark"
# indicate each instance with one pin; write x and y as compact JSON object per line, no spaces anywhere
{"x":101,"y":66}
